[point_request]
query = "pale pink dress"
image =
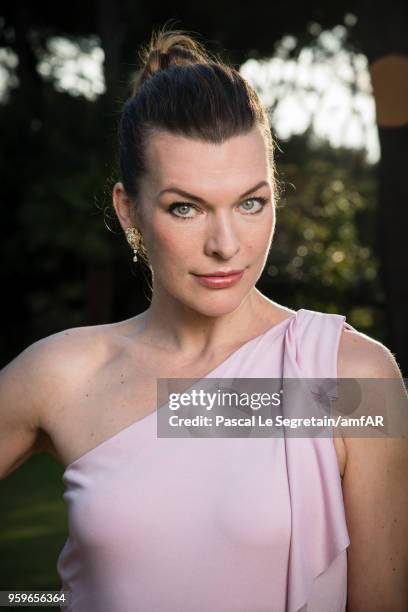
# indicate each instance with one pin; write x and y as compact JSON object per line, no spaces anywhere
{"x":214,"y":524}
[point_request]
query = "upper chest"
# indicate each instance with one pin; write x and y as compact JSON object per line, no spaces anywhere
{"x":120,"y":393}
{"x":108,"y":399}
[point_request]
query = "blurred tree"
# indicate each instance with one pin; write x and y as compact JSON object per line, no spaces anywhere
{"x":322,"y":248}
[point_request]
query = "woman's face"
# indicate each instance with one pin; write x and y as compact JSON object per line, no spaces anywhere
{"x":206,"y":208}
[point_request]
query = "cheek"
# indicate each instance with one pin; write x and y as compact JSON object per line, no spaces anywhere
{"x":258,"y":245}
{"x":172,"y":244}
{"x":258,"y":240}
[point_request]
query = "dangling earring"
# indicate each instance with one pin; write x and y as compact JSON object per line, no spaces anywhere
{"x":133,"y":237}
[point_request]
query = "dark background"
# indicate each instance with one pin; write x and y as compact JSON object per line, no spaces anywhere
{"x":65,"y":261}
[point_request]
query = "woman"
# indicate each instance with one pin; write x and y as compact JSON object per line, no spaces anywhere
{"x":211,"y":524}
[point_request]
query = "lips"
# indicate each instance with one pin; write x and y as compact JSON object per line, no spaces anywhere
{"x":220,"y":273}
{"x":220,"y":280}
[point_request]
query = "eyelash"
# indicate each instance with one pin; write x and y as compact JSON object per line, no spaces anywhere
{"x":261,"y":201}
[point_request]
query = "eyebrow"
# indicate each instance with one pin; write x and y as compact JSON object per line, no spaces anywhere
{"x":191,"y":196}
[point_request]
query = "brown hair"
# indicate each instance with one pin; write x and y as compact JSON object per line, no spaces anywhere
{"x":183,"y":89}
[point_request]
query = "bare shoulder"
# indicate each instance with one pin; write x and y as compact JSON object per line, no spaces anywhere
{"x":68,"y":361}
{"x":361,"y":356}
{"x":33,"y":384}
{"x":64,"y":357}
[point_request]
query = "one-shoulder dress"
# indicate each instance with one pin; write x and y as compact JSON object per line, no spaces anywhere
{"x":227,"y":524}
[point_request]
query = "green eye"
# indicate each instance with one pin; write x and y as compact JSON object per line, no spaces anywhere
{"x":185,"y":207}
{"x":180,"y":205}
{"x":261,"y":202}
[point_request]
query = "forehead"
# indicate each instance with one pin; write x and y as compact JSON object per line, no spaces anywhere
{"x":192,"y":163}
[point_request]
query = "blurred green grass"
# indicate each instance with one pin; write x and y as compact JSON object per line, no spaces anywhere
{"x":34,"y":526}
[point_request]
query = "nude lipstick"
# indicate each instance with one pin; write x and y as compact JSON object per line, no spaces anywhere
{"x":220,"y":279}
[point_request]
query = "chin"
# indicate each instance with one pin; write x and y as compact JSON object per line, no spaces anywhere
{"x":217,"y":304}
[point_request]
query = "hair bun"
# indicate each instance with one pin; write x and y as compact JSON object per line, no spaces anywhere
{"x":167,"y":48}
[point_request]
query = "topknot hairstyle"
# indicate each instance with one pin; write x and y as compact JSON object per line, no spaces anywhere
{"x":169,"y":48}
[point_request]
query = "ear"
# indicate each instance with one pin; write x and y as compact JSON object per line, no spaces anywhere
{"x":124,"y":206}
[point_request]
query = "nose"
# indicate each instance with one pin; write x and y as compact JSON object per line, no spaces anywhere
{"x":222,"y":238}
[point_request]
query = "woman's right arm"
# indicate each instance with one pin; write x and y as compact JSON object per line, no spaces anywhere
{"x":21,"y":434}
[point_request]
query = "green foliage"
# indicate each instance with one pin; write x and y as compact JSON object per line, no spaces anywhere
{"x":34,"y":525}
{"x":325,"y":229}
